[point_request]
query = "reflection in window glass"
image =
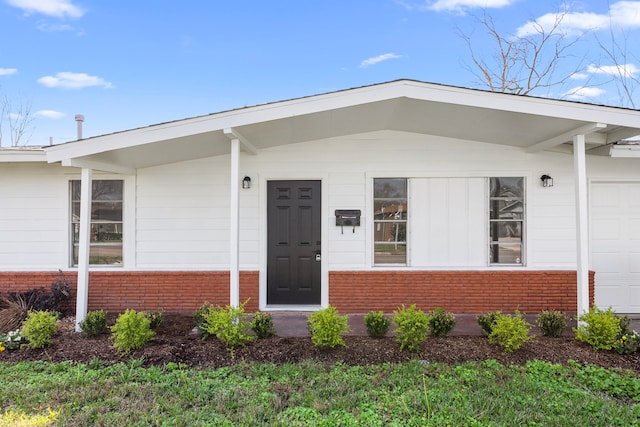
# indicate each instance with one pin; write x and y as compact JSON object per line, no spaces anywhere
{"x":506,"y":220}
{"x":390,"y":220}
{"x":106,"y":222}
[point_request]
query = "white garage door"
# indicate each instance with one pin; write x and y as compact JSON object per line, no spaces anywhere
{"x":615,"y":244}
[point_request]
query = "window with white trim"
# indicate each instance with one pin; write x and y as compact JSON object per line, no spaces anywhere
{"x":390,"y":221}
{"x":506,"y":220}
{"x":106,"y":222}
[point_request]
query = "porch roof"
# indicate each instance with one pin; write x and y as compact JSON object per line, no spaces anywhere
{"x":404,"y":105}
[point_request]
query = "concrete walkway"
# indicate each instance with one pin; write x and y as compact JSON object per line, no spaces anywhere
{"x":294,"y":324}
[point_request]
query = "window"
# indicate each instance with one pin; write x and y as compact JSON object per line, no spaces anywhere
{"x":106,"y":222}
{"x":506,"y":220}
{"x":390,"y":220}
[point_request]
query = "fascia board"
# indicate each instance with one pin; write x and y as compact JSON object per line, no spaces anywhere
{"x":217,"y":122}
{"x":19,"y":156}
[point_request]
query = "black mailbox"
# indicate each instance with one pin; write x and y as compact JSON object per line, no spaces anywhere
{"x":348,"y":217}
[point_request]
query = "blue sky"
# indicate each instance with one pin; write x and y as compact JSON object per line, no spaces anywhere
{"x":130,"y":64}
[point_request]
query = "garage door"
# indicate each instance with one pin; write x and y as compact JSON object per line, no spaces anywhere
{"x":615,"y":244}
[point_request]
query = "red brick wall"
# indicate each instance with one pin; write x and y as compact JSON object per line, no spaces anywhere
{"x":457,"y":291}
{"x":171,"y":291}
{"x":350,"y":292}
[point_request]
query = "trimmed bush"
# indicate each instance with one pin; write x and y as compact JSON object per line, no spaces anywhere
{"x":39,"y":327}
{"x":131,"y":331}
{"x":155,"y":318}
{"x":510,"y":332}
{"x":486,"y":321}
{"x":262,"y":325}
{"x":228,"y":324}
{"x":599,"y":328}
{"x":327,"y":327}
{"x":377,"y":324}
{"x":552,"y":323}
{"x":441,"y":322}
{"x":412,"y":327}
{"x":198,"y":318}
{"x":95,"y":323}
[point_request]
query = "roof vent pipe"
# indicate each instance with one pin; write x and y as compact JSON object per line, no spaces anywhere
{"x":79,"y":120}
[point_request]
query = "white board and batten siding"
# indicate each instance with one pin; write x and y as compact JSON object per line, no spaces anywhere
{"x":448,"y":218}
{"x":615,"y":244}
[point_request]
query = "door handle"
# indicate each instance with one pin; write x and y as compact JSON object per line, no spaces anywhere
{"x":318,"y":256}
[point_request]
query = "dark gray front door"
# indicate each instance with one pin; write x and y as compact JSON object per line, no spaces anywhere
{"x":293,"y":242}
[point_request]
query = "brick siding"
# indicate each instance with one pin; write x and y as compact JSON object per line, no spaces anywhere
{"x":457,"y":291}
{"x":350,"y":291}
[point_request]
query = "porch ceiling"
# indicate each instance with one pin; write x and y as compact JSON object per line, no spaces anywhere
{"x":407,"y":106}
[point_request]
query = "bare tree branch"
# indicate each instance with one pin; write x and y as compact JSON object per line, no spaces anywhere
{"x":19,"y":119}
{"x":523,"y":64}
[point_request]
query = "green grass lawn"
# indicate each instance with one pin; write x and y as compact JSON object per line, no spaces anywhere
{"x":312,"y":394}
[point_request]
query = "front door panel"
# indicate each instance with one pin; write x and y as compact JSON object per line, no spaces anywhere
{"x":293,"y":242}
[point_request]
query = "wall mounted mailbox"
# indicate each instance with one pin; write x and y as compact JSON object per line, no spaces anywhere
{"x":348,"y":217}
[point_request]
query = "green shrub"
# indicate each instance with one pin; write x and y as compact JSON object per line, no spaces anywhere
{"x":510,"y":332}
{"x":377,"y":324}
{"x":412,"y":327}
{"x":327,"y":327}
{"x":552,"y":323}
{"x":262,"y":325}
{"x":198,"y":317}
{"x":441,"y":322}
{"x":228,"y":324}
{"x":131,"y":331}
{"x":95,"y":323}
{"x":600,"y":329}
{"x":39,"y":327}
{"x":155,"y":318}
{"x":627,"y":341}
{"x":487,"y":320}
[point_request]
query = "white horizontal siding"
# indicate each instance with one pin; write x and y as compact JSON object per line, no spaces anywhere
{"x":181,"y":217}
{"x":33,"y":216}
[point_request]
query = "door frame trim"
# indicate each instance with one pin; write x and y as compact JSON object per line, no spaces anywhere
{"x":263,"y":178}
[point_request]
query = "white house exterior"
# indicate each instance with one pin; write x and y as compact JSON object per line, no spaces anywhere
{"x":447,"y":182}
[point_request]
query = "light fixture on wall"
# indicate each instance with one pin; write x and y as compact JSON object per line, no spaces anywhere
{"x":547,"y":181}
{"x":246,"y":182}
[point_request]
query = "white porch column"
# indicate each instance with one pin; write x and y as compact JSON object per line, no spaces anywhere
{"x":234,"y":227}
{"x":82,"y":294}
{"x":582,"y":223}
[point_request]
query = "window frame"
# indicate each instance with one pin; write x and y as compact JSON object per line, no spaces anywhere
{"x":123,"y":223}
{"x":522,"y":222}
{"x":404,"y":221}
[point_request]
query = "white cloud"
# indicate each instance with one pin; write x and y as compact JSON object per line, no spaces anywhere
{"x":68,"y":80}
{"x":622,"y":15}
{"x":625,"y":70}
{"x":578,"y":76}
{"x":8,"y":71}
{"x":582,"y":92}
{"x":50,"y":114}
{"x":462,"y":5}
{"x":53,"y":28}
{"x":55,"y":8}
{"x":379,"y":58}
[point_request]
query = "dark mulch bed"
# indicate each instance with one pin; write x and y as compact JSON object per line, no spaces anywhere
{"x":176,"y":342}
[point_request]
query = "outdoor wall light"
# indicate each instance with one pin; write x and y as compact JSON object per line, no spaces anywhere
{"x":547,"y":181}
{"x":246,"y":182}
